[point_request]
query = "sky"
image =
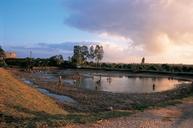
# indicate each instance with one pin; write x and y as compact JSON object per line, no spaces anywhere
{"x":159,"y":30}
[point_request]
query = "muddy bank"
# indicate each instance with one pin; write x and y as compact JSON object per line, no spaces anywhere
{"x":96,"y":101}
{"x":59,"y":98}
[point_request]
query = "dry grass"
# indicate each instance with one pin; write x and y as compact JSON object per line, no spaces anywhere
{"x":23,"y":106}
{"x":21,"y":101}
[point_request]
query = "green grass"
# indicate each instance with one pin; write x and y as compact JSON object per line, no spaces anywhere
{"x":96,"y":116}
{"x":44,"y":119}
{"x":140,"y":107}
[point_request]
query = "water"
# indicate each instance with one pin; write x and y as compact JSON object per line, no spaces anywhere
{"x":126,"y":85}
{"x":119,"y":83}
{"x":60,"y":98}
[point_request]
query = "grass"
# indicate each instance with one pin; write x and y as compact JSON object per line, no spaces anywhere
{"x":140,"y":107}
{"x":43,"y":119}
{"x":23,"y":106}
{"x":15,"y":96}
{"x":97,"y":116}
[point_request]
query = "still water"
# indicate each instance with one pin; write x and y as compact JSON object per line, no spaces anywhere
{"x":111,"y":82}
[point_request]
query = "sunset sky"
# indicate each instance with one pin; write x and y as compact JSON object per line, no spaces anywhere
{"x":159,"y":30}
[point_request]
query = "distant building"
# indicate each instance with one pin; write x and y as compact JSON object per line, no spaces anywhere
{"x":10,"y":55}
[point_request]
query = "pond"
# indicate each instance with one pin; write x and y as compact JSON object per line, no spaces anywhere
{"x":118,"y":83}
{"x":60,"y":98}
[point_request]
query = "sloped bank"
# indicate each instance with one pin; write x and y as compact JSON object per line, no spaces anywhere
{"x":95,"y":101}
{"x":23,"y":106}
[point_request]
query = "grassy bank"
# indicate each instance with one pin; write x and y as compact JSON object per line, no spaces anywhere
{"x":23,"y":106}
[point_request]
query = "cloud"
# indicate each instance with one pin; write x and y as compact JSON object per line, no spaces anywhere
{"x":115,"y":52}
{"x":46,"y":50}
{"x":42,"y":50}
{"x":157,"y":25}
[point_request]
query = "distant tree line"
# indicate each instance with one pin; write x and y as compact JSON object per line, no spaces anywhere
{"x":59,"y":62}
{"x":89,"y":57}
{"x":29,"y":63}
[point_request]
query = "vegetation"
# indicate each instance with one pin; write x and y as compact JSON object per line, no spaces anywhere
{"x":149,"y":68}
{"x":99,"y":52}
{"x":56,"y":60}
{"x":82,"y":54}
{"x":2,"y":52}
{"x":2,"y":57}
{"x":15,"y":94}
{"x":18,"y":101}
{"x":143,"y":61}
{"x":89,"y":57}
{"x":23,"y":106}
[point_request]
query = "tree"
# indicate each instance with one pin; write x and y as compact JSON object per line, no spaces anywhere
{"x":76,"y":58}
{"x":143,"y":61}
{"x":166,"y":67}
{"x":91,"y":55}
{"x":80,"y":55}
{"x":84,"y":52}
{"x":2,"y":56}
{"x":2,"y":53}
{"x":57,"y":59}
{"x":99,"y":53}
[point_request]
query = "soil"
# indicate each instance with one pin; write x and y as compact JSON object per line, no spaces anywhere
{"x":179,"y":116}
{"x":98,"y":101}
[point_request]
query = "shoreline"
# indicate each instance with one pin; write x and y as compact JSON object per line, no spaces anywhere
{"x":94,"y":101}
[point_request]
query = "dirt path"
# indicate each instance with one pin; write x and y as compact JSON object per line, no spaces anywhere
{"x":179,"y":116}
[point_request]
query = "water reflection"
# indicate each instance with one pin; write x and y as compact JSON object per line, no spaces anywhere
{"x":125,"y":84}
{"x":153,"y":87}
{"x":109,"y":79}
{"x":76,"y":79}
{"x":121,"y":83}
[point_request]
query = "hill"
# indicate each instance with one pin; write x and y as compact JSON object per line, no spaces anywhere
{"x":19,"y":101}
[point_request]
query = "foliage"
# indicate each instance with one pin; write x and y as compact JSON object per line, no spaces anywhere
{"x":2,"y":56}
{"x":56,"y":60}
{"x":143,"y":61}
{"x":91,"y":55}
{"x":2,"y":52}
{"x":99,"y":53}
{"x":82,"y":54}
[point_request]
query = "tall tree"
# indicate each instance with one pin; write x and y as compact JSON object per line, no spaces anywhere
{"x":80,"y":54}
{"x":91,"y":55}
{"x":143,"y":60}
{"x":99,"y":53}
{"x":2,"y":53}
{"x":84,"y":52}
{"x":76,"y":58}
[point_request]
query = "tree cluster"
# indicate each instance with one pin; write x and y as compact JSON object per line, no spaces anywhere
{"x":2,"y":53}
{"x":57,"y":59}
{"x":84,"y":53}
